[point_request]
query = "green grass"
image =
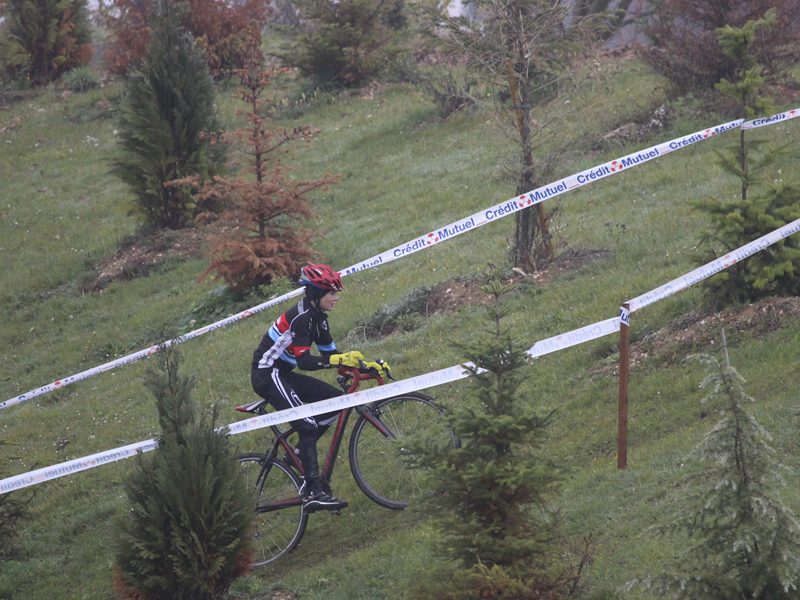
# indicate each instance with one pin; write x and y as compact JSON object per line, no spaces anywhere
{"x":403,"y":172}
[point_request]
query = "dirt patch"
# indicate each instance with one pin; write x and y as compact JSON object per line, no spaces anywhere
{"x":697,"y":331}
{"x":281,"y":595}
{"x":136,"y":257}
{"x":454,"y":294}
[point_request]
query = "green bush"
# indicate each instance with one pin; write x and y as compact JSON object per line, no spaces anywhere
{"x":186,"y":534}
{"x":493,"y":514}
{"x":44,"y":38}
{"x":346,"y":43}
{"x":774,"y":271}
{"x":168,"y":125}
{"x":81,"y":79}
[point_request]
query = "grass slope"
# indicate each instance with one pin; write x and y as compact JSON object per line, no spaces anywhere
{"x":403,"y":173}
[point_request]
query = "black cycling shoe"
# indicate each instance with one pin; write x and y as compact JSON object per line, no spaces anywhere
{"x":320,"y":498}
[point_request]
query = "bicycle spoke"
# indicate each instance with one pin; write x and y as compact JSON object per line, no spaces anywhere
{"x":379,"y":462}
{"x":280,"y":521}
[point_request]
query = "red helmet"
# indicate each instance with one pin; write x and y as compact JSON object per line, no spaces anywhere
{"x":321,"y":276}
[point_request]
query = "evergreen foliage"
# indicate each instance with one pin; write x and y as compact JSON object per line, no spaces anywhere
{"x":744,"y":542}
{"x":43,"y":39}
{"x":492,"y":514}
{"x":81,"y":79}
{"x":168,"y":125}
{"x":747,"y":79}
{"x":346,"y":43}
{"x":775,"y":271}
{"x":186,"y":535}
{"x":734,"y":223}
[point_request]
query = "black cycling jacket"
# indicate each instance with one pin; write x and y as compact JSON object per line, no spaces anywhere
{"x":287,"y":343}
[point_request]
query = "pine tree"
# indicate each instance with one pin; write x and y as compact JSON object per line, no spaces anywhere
{"x":523,"y":50}
{"x":186,"y":534}
{"x":345,"y":43}
{"x":775,"y":270}
{"x":746,"y":88}
{"x":744,"y":542}
{"x":168,"y":124}
{"x":259,"y":235}
{"x":45,"y":38}
{"x":493,"y":513}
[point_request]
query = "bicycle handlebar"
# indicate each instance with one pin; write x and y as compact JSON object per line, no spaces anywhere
{"x":366,"y":372}
{"x":350,"y":377}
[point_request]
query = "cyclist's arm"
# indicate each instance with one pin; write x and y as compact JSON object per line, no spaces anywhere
{"x":301,"y":349}
{"x":309,"y":362}
{"x":301,"y":345}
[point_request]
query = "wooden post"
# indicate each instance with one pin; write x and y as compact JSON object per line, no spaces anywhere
{"x":624,"y":369}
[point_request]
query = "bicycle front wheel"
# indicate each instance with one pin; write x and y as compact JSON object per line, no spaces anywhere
{"x":280,"y":520}
{"x":378,"y":459}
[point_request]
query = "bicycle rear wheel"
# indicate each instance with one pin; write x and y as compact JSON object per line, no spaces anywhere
{"x":379,"y":462}
{"x":280,"y":520}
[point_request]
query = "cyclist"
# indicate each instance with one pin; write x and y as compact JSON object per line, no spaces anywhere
{"x":286,"y":345}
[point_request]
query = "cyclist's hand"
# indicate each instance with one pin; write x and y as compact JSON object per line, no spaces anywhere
{"x":354,"y":358}
{"x":381,"y":366}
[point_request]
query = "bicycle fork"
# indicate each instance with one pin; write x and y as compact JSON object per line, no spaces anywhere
{"x":374,"y":418}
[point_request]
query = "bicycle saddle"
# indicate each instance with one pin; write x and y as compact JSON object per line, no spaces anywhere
{"x":252,"y":407}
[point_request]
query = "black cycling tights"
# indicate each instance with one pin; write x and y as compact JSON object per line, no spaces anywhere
{"x":287,"y":389}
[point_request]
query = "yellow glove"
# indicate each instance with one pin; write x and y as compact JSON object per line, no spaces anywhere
{"x":381,"y":366}
{"x":354,"y":358}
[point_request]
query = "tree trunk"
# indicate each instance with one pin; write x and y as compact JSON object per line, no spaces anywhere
{"x":743,"y":163}
{"x":532,"y":242}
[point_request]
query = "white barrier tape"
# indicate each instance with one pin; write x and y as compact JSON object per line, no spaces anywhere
{"x":447,"y":375}
{"x":764,"y":121}
{"x":574,"y":337}
{"x":60,"y":383}
{"x":713,"y":267}
{"x":74,"y":466}
{"x":447,"y":232}
{"x":624,"y":316}
{"x":545,"y":192}
{"x":395,"y":388}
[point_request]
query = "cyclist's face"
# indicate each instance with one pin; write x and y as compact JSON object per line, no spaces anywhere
{"x":329,"y":301}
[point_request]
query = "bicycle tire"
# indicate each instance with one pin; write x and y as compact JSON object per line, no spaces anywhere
{"x":376,"y":461}
{"x":279,"y":526}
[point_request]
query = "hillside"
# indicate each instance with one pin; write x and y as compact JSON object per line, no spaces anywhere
{"x":403,"y":173}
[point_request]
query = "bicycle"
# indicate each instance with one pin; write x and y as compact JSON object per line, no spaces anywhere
{"x":378,"y":443}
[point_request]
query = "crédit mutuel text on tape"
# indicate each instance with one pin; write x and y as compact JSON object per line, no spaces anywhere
{"x":553,"y":344}
{"x":427,"y":380}
{"x":395,"y":388}
{"x":437,"y":236}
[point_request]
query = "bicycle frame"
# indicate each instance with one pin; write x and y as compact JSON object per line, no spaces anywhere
{"x":349,"y":379}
